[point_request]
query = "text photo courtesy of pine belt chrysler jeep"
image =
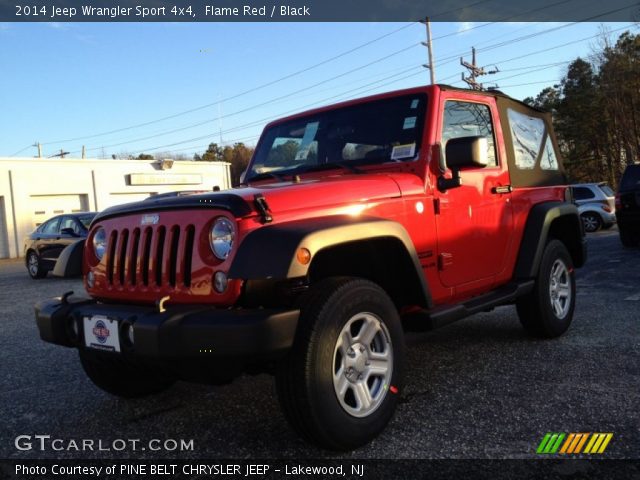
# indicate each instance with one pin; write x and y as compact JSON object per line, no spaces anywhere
{"x":356,"y":222}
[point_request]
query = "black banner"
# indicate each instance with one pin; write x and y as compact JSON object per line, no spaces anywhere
{"x":268,"y":469}
{"x":317,"y":10}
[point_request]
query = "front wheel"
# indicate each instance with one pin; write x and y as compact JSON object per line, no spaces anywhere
{"x":339,"y":385}
{"x":548,"y":310}
{"x":120,"y":377}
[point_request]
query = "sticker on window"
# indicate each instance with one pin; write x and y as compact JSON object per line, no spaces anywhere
{"x":403,"y":151}
{"x":409,"y":122}
{"x":414,"y":103}
{"x":308,"y":137}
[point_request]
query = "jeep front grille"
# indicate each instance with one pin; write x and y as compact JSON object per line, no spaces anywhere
{"x":151,"y":256}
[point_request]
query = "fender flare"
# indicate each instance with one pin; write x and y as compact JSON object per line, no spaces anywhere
{"x":536,"y":234}
{"x":69,"y":263}
{"x":270,"y":252}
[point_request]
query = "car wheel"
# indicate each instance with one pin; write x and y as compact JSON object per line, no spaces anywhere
{"x":628,"y":238}
{"x":34,"y":266}
{"x":339,"y":384}
{"x":120,"y":377}
{"x":548,"y":310}
{"x":591,"y":221}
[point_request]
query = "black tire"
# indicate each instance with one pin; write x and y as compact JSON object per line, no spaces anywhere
{"x":591,"y":222}
{"x":628,"y":238}
{"x":34,"y":266}
{"x":540,"y":313}
{"x":305,"y":379}
{"x":120,"y":377}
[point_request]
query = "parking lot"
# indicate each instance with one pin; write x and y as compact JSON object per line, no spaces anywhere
{"x":479,"y":388}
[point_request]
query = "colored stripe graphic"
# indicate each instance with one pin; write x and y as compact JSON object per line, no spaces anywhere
{"x":550,"y":443}
{"x":574,"y":443}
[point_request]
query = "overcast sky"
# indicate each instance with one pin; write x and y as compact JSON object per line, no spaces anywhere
{"x":66,"y":85}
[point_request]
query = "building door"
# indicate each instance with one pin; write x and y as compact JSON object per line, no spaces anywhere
{"x":47,"y":206}
{"x":4,"y":237}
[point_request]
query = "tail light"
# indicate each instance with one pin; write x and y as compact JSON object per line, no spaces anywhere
{"x":607,"y":208}
{"x":618,"y":202}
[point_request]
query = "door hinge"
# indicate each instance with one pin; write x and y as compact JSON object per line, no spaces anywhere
{"x":436,"y":206}
{"x":445,"y":260}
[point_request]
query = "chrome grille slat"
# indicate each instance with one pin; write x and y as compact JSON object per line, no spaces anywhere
{"x":151,"y":257}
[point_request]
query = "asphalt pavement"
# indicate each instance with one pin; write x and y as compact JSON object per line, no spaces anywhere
{"x":479,"y":388}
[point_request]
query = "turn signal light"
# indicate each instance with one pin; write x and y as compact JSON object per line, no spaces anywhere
{"x":303,"y":256}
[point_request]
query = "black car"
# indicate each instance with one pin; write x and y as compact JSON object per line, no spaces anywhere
{"x":44,"y":245}
{"x":628,"y":206}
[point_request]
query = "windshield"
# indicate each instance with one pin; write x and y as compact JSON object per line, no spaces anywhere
{"x":373,"y":132}
{"x":86,"y":218}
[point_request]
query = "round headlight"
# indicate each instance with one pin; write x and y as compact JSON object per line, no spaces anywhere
{"x":221,"y":237}
{"x":100,"y":243}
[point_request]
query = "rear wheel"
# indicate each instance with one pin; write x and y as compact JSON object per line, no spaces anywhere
{"x":338,"y":386}
{"x":120,"y":377}
{"x":34,"y":266}
{"x":548,"y":310}
{"x":591,"y":221}
{"x":628,"y":237}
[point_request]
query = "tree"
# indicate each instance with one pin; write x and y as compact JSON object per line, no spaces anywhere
{"x":212,"y":154}
{"x":144,"y":156}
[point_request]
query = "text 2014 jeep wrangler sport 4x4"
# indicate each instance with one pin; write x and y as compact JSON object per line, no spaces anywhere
{"x":356,"y":221}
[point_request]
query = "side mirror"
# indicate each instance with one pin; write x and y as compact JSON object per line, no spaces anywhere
{"x":467,"y":152}
{"x":463,"y":152}
{"x":69,"y":231}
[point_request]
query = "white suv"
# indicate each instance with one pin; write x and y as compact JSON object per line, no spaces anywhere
{"x":596,"y":205}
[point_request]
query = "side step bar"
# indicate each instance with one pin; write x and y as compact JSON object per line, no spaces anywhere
{"x":440,"y":316}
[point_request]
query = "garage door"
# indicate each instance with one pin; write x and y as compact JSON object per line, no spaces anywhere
{"x":4,"y":237}
{"x":47,"y":206}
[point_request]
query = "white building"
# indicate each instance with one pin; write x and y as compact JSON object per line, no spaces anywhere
{"x":35,"y":189}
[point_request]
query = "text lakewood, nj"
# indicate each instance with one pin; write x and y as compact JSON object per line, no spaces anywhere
{"x":169,"y":13}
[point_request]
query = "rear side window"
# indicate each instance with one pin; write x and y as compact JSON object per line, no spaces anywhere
{"x":630,"y":178}
{"x":582,"y":193}
{"x":51,"y":227}
{"x":531,"y":142}
{"x":607,"y":190}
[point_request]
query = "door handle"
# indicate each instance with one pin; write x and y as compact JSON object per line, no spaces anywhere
{"x":502,"y":189}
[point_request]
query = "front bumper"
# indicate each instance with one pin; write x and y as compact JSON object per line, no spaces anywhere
{"x":180,"y":332}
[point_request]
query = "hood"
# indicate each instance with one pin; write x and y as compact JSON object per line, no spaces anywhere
{"x":280,"y":196}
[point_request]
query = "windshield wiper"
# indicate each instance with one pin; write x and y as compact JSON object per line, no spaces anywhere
{"x":330,"y":165}
{"x":262,"y":176}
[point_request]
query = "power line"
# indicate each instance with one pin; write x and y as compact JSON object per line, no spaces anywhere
{"x":252,"y":107}
{"x":246,"y":92}
{"x":274,"y":117}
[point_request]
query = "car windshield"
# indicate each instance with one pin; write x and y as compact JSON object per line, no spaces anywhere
{"x":630,"y":178}
{"x":373,"y":132}
{"x":86,"y":218}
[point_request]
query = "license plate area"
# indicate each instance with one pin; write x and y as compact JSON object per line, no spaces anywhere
{"x":101,"y":333}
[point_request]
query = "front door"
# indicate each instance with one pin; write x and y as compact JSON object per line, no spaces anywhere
{"x":475,"y":220}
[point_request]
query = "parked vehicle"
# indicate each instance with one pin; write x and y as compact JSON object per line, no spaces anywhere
{"x":43,"y":247}
{"x":628,"y":206}
{"x":596,"y":205}
{"x":407,"y":210}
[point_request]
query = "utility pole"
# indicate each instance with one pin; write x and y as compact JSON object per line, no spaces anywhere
{"x":429,"y":45}
{"x":61,"y":154}
{"x":475,"y":71}
{"x":84,"y":152}
{"x":39,"y":145}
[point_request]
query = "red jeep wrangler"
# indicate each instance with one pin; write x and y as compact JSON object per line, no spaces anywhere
{"x":411,"y":209}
